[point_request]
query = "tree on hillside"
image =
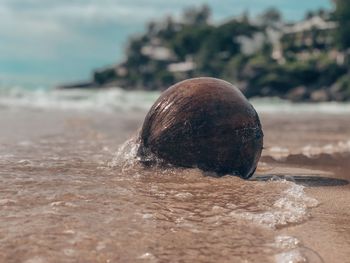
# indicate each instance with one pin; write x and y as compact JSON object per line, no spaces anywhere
{"x":309,"y":15}
{"x":342,"y":15}
{"x":271,"y":17}
{"x":197,"y":16}
{"x":221,"y":45}
{"x":188,"y":40}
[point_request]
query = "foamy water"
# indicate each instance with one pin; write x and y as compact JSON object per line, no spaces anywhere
{"x":292,"y":207}
{"x":309,"y":151}
{"x":97,"y":100}
{"x":115,"y":99}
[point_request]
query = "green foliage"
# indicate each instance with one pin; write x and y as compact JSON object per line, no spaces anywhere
{"x":343,"y":86}
{"x":169,"y":29}
{"x":216,"y":51}
{"x":105,"y":75}
{"x":189,"y":40}
{"x":265,"y":76}
{"x":342,"y":15}
{"x":220,"y":46}
{"x":234,"y":68}
{"x":271,"y":16}
{"x":165,"y":78}
{"x":134,"y":54}
{"x":197,"y":16}
{"x":304,"y":72}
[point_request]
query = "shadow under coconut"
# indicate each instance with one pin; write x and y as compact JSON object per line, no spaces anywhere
{"x":310,"y":181}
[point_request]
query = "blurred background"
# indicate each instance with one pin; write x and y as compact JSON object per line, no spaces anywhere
{"x":274,"y":48}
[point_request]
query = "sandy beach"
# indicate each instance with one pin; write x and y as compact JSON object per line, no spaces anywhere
{"x":66,"y":198}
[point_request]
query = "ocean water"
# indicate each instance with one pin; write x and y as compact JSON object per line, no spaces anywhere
{"x":72,"y":189}
{"x":115,"y":99}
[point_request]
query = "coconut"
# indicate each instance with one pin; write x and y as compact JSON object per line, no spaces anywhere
{"x":205,"y":123}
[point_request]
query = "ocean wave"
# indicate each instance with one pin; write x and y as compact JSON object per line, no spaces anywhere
{"x":116,"y":99}
{"x":309,"y":151}
{"x":276,"y":105}
{"x":113,"y":99}
{"x":331,"y":149}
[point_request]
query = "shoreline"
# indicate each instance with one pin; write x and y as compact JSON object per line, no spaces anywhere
{"x":63,"y":153}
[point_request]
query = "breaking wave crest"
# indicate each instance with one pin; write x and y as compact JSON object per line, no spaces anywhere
{"x":78,"y":99}
{"x":309,"y":151}
{"x":116,"y":99}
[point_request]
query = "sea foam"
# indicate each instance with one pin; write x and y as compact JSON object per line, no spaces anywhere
{"x":290,"y":208}
{"x":105,"y":100}
{"x":116,"y":99}
{"x":126,"y":156}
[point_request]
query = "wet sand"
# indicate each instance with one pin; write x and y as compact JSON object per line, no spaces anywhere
{"x":310,"y":139}
{"x":62,"y":202}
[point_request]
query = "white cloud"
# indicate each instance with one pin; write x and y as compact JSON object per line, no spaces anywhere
{"x":83,"y":11}
{"x":30,"y":26}
{"x":42,"y":29}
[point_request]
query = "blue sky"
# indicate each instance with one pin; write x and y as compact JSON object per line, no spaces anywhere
{"x":46,"y":42}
